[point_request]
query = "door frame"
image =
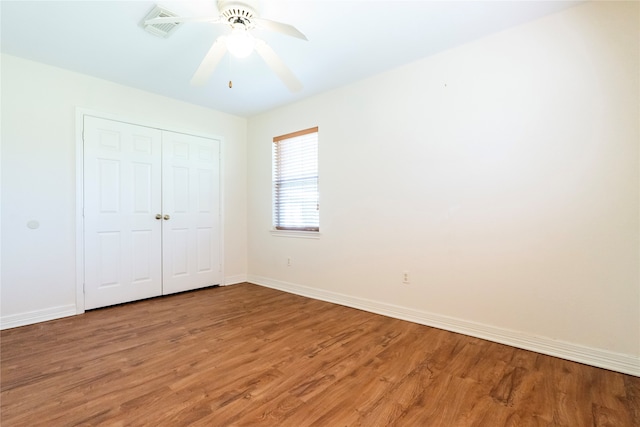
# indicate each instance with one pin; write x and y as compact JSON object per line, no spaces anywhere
{"x":81,"y":112}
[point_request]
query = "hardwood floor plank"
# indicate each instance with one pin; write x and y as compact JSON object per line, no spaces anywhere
{"x":401,"y":396}
{"x":247,"y":355}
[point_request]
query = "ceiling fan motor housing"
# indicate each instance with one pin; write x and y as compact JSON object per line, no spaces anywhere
{"x":238,"y":12}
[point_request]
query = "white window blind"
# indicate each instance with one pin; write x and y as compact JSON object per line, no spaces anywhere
{"x":295,"y":181}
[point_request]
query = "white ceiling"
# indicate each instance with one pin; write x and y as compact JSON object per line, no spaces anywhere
{"x":348,"y":41}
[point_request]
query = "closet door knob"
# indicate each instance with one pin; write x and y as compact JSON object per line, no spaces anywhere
{"x":158,"y":216}
{"x":167,"y":217}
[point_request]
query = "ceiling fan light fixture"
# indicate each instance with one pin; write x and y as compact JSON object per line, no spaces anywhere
{"x":240,"y":43}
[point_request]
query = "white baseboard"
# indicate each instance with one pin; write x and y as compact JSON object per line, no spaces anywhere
{"x":21,"y":319}
{"x":623,"y":363}
{"x":232,"y":280}
{"x":52,"y":313}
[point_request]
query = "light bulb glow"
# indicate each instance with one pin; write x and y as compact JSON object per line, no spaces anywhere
{"x":240,"y":43}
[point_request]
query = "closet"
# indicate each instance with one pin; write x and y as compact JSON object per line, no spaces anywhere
{"x":151,"y":212}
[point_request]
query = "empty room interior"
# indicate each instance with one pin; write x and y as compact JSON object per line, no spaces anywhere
{"x":320,"y":213}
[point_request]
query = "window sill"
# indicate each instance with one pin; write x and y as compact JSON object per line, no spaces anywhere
{"x":296,"y":234}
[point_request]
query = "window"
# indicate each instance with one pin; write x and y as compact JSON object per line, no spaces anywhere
{"x":296,"y":202}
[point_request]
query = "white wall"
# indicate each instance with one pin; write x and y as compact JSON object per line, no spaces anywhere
{"x":39,"y":183}
{"x":502,"y":175}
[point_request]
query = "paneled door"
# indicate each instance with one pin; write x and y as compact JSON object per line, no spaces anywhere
{"x":191,"y":205}
{"x":122,"y":196}
{"x":151,"y":212}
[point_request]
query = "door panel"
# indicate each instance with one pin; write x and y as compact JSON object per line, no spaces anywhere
{"x":109,"y":248}
{"x":122,"y":195}
{"x":143,"y":265}
{"x":191,"y":198}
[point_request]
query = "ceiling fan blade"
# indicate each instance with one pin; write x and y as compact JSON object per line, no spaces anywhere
{"x":280,"y":27}
{"x":209,"y":63}
{"x":275,"y":63}
{"x":176,"y":19}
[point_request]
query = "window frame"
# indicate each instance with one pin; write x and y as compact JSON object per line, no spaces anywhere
{"x":283,"y":230}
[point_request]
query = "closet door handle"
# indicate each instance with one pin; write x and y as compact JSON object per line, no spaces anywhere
{"x":158,"y":216}
{"x":167,"y":218}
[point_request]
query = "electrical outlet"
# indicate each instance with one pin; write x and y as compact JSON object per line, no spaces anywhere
{"x":405,"y":277}
{"x":288,"y":261}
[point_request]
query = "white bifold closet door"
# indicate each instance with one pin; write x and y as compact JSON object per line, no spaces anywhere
{"x":191,"y":198}
{"x":151,"y":212}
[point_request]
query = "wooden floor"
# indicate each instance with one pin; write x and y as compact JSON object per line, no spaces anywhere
{"x":247,"y":355}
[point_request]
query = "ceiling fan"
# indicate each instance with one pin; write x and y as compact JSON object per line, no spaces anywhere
{"x":242,"y":17}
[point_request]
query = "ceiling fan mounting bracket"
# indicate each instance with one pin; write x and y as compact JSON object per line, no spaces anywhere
{"x":237,"y":12}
